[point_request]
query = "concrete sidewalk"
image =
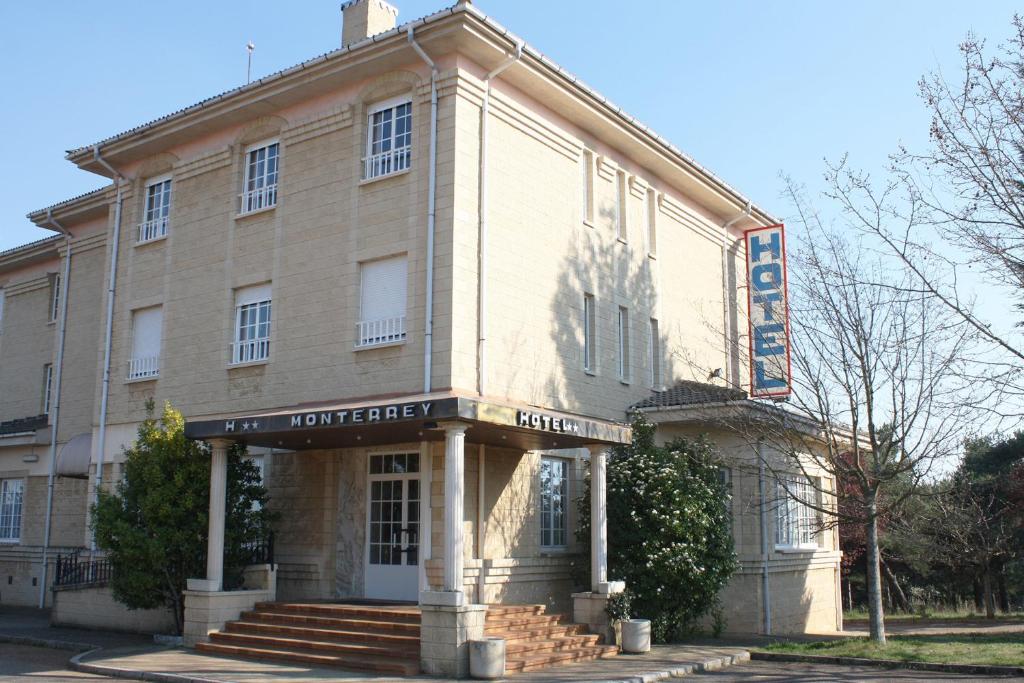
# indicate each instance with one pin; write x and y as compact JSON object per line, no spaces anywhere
{"x":31,"y":626}
{"x":180,"y":665}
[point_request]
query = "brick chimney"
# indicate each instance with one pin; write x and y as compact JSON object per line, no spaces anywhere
{"x":364,"y":18}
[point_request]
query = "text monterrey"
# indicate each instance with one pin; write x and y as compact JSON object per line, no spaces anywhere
{"x":323,"y":418}
{"x":770,"y":373}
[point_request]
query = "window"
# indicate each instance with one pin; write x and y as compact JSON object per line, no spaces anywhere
{"x":554,"y":501}
{"x":47,"y":387}
{"x":260,"y":187}
{"x":11,"y":493}
{"x":1,"y":309}
{"x":652,"y":222}
{"x":54,"y":297}
{"x":589,"y":333}
{"x":655,"y":351}
{"x":158,"y":210}
{"x":252,"y":324}
{"x":146,"y":326}
{"x":620,"y":205}
{"x":795,"y":521}
{"x":389,"y":139}
{"x":587,"y":162}
{"x":623,"y":344}
{"x":381,"y":302}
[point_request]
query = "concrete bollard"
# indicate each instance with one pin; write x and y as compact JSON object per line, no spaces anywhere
{"x":487,"y":658}
{"x":636,"y":635}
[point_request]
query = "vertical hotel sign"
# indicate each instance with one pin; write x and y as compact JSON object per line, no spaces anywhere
{"x":770,"y":367}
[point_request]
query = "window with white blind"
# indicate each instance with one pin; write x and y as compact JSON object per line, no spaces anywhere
{"x":655,"y":353}
{"x":147,"y":324}
{"x":54,"y":297}
{"x":589,"y":333}
{"x":259,"y":190}
{"x":389,"y":139}
{"x":796,"y":522}
{"x":651,"y":211}
{"x":158,"y":210}
{"x":11,"y":493}
{"x":382,"y":293}
{"x":587,"y":182}
{"x":252,"y":324}
{"x":623,"y":329}
{"x":47,"y":387}
{"x":554,"y":502}
{"x":621,"y":229}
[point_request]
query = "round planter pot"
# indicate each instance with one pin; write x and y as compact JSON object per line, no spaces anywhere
{"x":636,"y":635}
{"x":487,"y":658}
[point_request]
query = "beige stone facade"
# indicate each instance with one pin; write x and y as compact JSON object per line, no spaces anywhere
{"x":581,"y":203}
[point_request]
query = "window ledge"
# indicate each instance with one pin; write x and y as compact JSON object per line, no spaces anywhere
{"x":592,"y":373}
{"x":381,"y":345}
{"x":143,"y":243}
{"x":10,"y":541}
{"x":624,"y":382}
{"x":248,"y":364}
{"x":393,"y":174}
{"x":138,"y":380}
{"x":805,"y":549}
{"x":589,"y":223}
{"x":245,"y":214}
{"x":554,"y":551}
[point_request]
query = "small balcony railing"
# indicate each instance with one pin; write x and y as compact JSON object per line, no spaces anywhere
{"x":154,"y":229}
{"x":386,"y":163}
{"x":380,"y":332}
{"x":142,"y":368}
{"x":259,"y":199}
{"x":74,"y":573}
{"x":250,"y":351}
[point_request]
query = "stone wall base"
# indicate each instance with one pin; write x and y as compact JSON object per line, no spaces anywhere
{"x":445,"y":632}
{"x":589,"y":609}
{"x":207,"y":611}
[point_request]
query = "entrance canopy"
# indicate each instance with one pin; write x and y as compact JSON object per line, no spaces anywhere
{"x":409,"y":419}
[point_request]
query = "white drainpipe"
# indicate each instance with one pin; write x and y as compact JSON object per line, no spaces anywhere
{"x":481,"y":357}
{"x":726,"y":299}
{"x":55,"y":408}
{"x":428,"y":334}
{"x":101,"y":441}
{"x":762,"y":487}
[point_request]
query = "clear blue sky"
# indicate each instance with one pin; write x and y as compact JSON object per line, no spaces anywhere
{"x":747,"y":88}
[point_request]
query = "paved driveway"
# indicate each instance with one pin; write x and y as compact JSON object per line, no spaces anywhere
{"x":40,"y":664}
{"x":772,"y":672}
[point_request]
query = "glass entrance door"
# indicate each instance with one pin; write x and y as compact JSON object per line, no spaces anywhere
{"x":393,"y":526}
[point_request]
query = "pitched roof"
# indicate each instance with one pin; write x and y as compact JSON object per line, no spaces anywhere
{"x":686,"y":393}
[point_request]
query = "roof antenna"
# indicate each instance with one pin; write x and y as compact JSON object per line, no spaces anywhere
{"x":248,"y":71}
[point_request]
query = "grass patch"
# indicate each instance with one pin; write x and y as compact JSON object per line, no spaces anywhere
{"x":998,"y":649}
{"x":936,"y":615}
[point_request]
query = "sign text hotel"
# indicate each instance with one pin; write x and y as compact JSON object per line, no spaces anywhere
{"x":770,"y":372}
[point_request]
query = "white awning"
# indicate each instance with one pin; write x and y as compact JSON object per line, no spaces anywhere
{"x":75,"y":456}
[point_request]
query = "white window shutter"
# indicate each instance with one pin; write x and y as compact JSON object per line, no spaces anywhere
{"x":383,"y":289}
{"x":252,"y":295}
{"x":146,"y":337}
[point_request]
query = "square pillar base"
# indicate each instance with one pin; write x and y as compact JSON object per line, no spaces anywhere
{"x":207,"y":611}
{"x":589,"y":609}
{"x":445,"y":632}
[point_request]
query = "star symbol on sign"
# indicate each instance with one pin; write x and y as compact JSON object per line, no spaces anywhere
{"x":255,"y":424}
{"x":245,"y":425}
{"x":575,"y":428}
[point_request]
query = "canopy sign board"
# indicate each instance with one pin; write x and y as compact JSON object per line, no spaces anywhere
{"x":770,"y":368}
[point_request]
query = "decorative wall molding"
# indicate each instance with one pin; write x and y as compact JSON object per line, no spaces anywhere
{"x":322,"y":124}
{"x":204,"y":164}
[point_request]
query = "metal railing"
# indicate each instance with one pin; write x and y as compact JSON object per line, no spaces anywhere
{"x":250,"y":351}
{"x":386,"y":163}
{"x":378,"y":332}
{"x":154,"y":229}
{"x":72,"y":572}
{"x":262,"y":551}
{"x":260,"y":198}
{"x":141,"y":368}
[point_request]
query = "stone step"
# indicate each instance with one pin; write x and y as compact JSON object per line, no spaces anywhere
{"x":521,"y":648}
{"x":388,"y":665}
{"x":516,"y":664}
{"x":409,"y":615}
{"x":302,"y":632}
{"x":365,"y":624}
{"x":250,"y":640}
{"x":504,"y":611}
{"x":528,"y":621}
{"x":540,"y":633}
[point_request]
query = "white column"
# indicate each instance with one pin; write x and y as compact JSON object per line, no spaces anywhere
{"x":218,"y":501}
{"x":454,"y":493}
{"x":598,"y":523}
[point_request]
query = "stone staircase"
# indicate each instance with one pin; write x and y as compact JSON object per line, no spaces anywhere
{"x":371,"y":638}
{"x":385,"y":639}
{"x":535,"y":639}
